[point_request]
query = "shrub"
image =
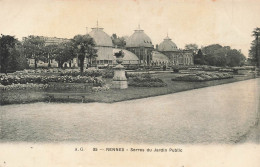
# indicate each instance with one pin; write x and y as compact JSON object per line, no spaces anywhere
{"x":146,"y":80}
{"x":23,"y":79}
{"x":89,"y":72}
{"x":100,"y":88}
{"x":108,"y":73}
{"x":202,"y":77}
{"x":30,"y":86}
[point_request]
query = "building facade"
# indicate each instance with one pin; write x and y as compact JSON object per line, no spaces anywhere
{"x":139,"y":51}
{"x":176,"y":56}
{"x":141,"y":45}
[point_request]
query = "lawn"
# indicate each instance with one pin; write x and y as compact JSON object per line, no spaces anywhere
{"x":113,"y":95}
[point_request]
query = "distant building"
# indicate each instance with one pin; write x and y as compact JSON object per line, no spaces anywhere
{"x":141,"y":45}
{"x":176,"y":56}
{"x":105,"y":49}
{"x":139,"y":51}
{"x":53,"y":40}
{"x":104,"y":46}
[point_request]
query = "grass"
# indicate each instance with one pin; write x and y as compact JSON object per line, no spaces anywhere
{"x":113,"y":95}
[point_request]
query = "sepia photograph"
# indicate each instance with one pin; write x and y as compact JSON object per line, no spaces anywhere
{"x":107,"y":83}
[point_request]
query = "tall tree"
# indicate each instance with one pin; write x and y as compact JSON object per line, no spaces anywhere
{"x":235,"y":58}
{"x":34,"y":48}
{"x":91,"y":55}
{"x":49,"y":52}
{"x":118,"y":41}
{"x":7,"y":44}
{"x":63,"y":52}
{"x":194,"y":47}
{"x":217,"y":55}
{"x":199,"y":58}
{"x":17,"y":60}
{"x":254,"y":52}
{"x":83,"y":47}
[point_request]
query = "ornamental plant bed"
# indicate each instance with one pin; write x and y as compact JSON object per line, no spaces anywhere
{"x":69,"y":86}
{"x":146,"y":80}
{"x":23,"y":79}
{"x":200,"y":77}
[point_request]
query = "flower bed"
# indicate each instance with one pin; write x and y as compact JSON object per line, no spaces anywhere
{"x":225,"y":70}
{"x":199,"y":77}
{"x":30,"y":86}
{"x":210,"y":68}
{"x":68,"y":86}
{"x":74,"y":73}
{"x":106,"y":73}
{"x":100,"y":88}
{"x":145,"y":80}
{"x":23,"y":79}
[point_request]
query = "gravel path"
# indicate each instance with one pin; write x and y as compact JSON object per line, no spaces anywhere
{"x":219,"y":114}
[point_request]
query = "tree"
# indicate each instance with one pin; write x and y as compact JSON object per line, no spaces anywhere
{"x":118,"y":41}
{"x":17,"y":60}
{"x":194,"y":47}
{"x":91,"y":55}
{"x":214,"y":55}
{"x":34,"y":48}
{"x":63,"y":52}
{"x":211,"y":48}
{"x":83,"y":47}
{"x":254,"y":52}
{"x":7,"y":44}
{"x":199,"y":58}
{"x":235,"y":58}
{"x":49,"y":51}
{"x":217,"y":55}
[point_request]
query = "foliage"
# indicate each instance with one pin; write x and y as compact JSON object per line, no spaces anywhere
{"x":74,"y":73}
{"x":49,"y":52}
{"x":33,"y":47}
{"x":63,"y":52}
{"x":108,"y":73}
{"x":84,"y":46}
{"x":254,"y":52}
{"x":26,"y":86}
{"x":194,"y":47}
{"x":100,"y":88}
{"x":217,"y":55}
{"x":119,"y":42}
{"x":235,"y":58}
{"x":146,"y":80}
{"x":23,"y":79}
{"x":202,"y":77}
{"x":7,"y":47}
{"x":199,"y":58}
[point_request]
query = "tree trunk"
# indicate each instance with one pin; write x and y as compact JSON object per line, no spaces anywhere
{"x":35,"y":63}
{"x":60,"y":64}
{"x":81,"y":66}
{"x":49,"y":61}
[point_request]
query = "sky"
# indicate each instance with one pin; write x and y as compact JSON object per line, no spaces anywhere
{"x":204,"y":22}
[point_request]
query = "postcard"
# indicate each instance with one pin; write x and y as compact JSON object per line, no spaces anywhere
{"x":125,"y":83}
